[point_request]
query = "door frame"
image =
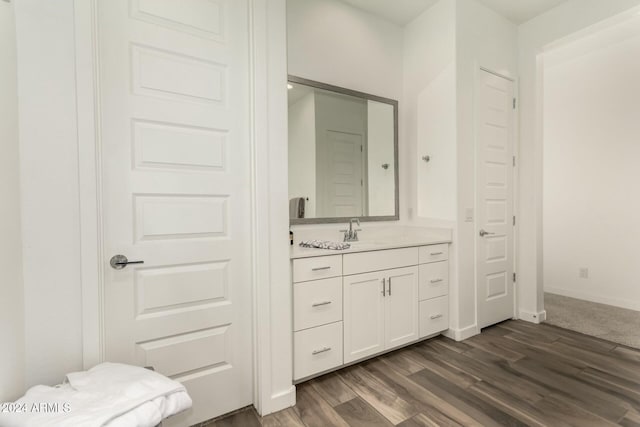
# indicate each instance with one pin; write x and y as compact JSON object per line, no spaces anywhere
{"x":271,"y":297}
{"x":479,"y":68}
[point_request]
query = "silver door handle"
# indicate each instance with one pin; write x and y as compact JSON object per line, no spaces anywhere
{"x":319,"y":304}
{"x":389,"y":286}
{"x":436,"y":316}
{"x":322,"y":350}
{"x":118,"y":262}
{"x":437,"y":280}
{"x":384,"y":284}
{"x":436,"y":253}
{"x":485,"y":233}
{"x":320,"y":268}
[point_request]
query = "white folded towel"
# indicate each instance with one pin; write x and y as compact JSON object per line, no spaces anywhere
{"x":109,"y":394}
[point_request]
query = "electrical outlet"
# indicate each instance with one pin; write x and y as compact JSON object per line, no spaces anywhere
{"x":583,"y":273}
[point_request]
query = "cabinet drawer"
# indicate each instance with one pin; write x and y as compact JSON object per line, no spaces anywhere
{"x":317,"y":350}
{"x":434,"y":253}
{"x":317,"y":268}
{"x":317,"y":303}
{"x":434,"y":279}
{"x":364,"y":262}
{"x":434,"y":316}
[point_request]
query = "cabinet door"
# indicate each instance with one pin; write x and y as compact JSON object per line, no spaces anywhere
{"x":401,"y":306}
{"x":363,"y":315}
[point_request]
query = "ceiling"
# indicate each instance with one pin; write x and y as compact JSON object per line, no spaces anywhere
{"x":519,"y":11}
{"x":402,"y":12}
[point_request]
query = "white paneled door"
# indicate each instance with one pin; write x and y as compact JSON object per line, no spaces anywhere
{"x":343,"y":186}
{"x":495,"y":134}
{"x":174,"y":91}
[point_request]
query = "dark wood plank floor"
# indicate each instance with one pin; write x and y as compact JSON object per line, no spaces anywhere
{"x":513,"y":374}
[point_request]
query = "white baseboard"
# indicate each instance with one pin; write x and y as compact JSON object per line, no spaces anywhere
{"x":280,"y":401}
{"x":461,"y":334}
{"x":616,"y":302}
{"x":529,"y":316}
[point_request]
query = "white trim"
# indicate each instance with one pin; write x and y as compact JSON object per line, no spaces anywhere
{"x":497,"y":74}
{"x":273,"y":346}
{"x":531,"y":317}
{"x":586,"y":296}
{"x":259,"y":198}
{"x":462,"y":334}
{"x":283,"y":400}
{"x":90,"y":181}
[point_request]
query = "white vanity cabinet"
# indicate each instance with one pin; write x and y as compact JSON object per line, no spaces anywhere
{"x":434,"y":289}
{"x":351,"y":306}
{"x":380,"y":311}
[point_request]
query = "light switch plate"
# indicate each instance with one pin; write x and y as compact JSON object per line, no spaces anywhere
{"x":468,"y":215}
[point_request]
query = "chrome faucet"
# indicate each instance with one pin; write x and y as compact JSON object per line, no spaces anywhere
{"x":351,"y":235}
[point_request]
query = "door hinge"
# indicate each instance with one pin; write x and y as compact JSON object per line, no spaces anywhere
{"x":514,"y":103}
{"x":514,"y":220}
{"x":514,"y":277}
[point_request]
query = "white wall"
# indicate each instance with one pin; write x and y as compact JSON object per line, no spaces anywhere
{"x":591,"y":152}
{"x":428,"y":111}
{"x":49,"y":181}
{"x":302,"y":151}
{"x":11,"y":288}
{"x":533,"y":36}
{"x":332,"y":42}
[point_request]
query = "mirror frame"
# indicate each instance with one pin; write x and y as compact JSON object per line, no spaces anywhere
{"x":369,"y":97}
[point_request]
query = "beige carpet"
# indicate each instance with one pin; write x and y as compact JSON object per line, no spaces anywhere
{"x":599,"y":320}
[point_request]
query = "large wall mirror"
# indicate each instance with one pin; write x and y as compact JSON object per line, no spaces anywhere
{"x":343,"y":154}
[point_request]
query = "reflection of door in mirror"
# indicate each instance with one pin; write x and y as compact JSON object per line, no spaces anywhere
{"x":340,"y":140}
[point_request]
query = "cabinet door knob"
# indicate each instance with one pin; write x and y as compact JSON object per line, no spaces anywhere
{"x":384,"y":284}
{"x":436,"y":316}
{"x":319,"y":304}
{"x":389,"y":286}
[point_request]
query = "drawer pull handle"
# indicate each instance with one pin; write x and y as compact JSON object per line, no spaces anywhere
{"x":319,"y":304}
{"x":436,"y":316}
{"x":320,"y":268}
{"x":437,"y":280}
{"x":436,"y":253}
{"x":324,"y":350}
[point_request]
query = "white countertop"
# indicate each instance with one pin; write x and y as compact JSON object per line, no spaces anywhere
{"x":374,"y":239}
